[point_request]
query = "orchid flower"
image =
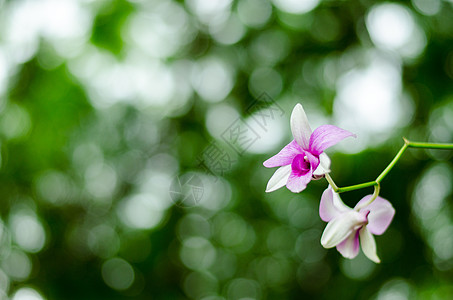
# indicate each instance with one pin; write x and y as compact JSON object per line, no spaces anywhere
{"x":304,"y":157}
{"x":347,"y":225}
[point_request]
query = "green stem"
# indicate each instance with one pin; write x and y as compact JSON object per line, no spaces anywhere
{"x":392,"y":163}
{"x":332,"y":183}
{"x":428,"y":145}
{"x":376,"y":183}
{"x":336,"y":189}
{"x":377,"y":188}
{"x":356,"y":187}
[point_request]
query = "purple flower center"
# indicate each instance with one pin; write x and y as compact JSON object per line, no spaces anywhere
{"x":366,"y":212}
{"x":300,"y":164}
{"x":364,"y":219}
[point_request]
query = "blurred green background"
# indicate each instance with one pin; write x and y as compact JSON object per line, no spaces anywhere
{"x":123,"y":175}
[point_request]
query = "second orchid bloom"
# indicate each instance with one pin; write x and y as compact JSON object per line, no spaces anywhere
{"x":346,"y":226}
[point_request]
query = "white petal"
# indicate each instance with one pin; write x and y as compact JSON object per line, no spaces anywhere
{"x":324,"y":165}
{"x":340,"y":228}
{"x":279,"y":178}
{"x":368,"y":245}
{"x":299,"y":126}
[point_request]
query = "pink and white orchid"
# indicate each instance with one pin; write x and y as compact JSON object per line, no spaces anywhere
{"x":304,"y":157}
{"x":346,"y":225}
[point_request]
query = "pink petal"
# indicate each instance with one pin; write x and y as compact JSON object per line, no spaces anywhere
{"x":285,"y":156}
{"x":331,"y":205}
{"x":326,"y":136}
{"x":327,"y":209}
{"x":299,"y":126}
{"x":380,"y":216}
{"x":349,"y":248}
{"x":297,"y":183}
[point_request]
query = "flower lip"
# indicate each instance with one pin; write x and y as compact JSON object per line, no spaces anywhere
{"x":300,"y":164}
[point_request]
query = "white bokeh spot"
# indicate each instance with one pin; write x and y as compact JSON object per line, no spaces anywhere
{"x":393,"y":27}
